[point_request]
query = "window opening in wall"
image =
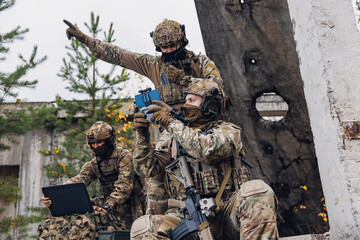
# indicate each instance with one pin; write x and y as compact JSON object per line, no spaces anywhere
{"x":271,"y":107}
{"x":9,"y":171}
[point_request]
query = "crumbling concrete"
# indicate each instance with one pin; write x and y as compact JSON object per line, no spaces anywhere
{"x":328,"y":45}
{"x":252,"y":43}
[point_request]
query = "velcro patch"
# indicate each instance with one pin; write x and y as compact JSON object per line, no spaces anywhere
{"x":253,"y":187}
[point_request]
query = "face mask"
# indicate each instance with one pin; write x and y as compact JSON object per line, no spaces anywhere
{"x":173,"y":57}
{"x":104,"y":150}
{"x":195,"y":117}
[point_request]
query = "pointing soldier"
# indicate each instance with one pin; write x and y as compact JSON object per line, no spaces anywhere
{"x":113,"y":166}
{"x":178,"y":63}
{"x":246,"y":209}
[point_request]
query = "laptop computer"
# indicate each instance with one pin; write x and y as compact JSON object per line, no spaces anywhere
{"x":68,"y":199}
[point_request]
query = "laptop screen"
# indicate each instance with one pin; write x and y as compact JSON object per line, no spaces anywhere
{"x":68,"y":199}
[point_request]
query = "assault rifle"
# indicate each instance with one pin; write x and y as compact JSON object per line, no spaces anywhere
{"x":197,"y":209}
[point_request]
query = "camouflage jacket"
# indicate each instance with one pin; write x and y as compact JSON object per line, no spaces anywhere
{"x":153,"y":67}
{"x":209,"y":152}
{"x":118,"y":181}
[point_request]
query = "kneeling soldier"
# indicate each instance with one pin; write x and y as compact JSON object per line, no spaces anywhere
{"x":241,"y":209}
{"x":113,"y":166}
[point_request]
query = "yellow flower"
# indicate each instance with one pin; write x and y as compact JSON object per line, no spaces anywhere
{"x":113,"y":106}
{"x":87,"y":145}
{"x":18,"y":100}
{"x":107,"y":110}
{"x":322,"y":199}
{"x":304,"y":187}
{"x":63,"y":165}
{"x":302,"y":207}
{"x":324,"y":216}
{"x":55,"y":148}
{"x":57,"y":151}
{"x":109,"y":115}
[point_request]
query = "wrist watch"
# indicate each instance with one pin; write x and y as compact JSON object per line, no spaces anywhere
{"x":106,"y":206}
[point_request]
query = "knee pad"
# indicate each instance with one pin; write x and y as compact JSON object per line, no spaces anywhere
{"x":254,"y":187}
{"x":140,"y":226}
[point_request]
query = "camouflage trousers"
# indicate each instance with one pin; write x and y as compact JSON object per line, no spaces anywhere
{"x":80,"y":226}
{"x":245,"y":215}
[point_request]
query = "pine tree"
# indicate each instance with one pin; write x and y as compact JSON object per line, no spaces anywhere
{"x":80,"y":70}
{"x":17,"y":121}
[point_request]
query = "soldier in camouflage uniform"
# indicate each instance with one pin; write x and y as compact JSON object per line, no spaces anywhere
{"x":179,"y":64}
{"x":117,"y":208}
{"x":246,"y":209}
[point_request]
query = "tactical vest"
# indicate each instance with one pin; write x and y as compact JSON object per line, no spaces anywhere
{"x":108,"y":176}
{"x":171,"y":93}
{"x":208,"y":178}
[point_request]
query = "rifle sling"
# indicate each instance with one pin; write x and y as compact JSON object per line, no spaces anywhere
{"x":223,"y":185}
{"x":206,"y":223}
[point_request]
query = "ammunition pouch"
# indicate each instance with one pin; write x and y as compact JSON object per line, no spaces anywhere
{"x":171,"y":94}
{"x":156,"y":207}
{"x":208,"y":181}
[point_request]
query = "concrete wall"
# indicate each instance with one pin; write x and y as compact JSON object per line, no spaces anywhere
{"x":26,"y":155}
{"x":252,"y":44}
{"x":328,"y":45}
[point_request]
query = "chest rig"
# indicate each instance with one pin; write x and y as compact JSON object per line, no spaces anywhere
{"x":108,"y":176}
{"x":171,"y":92}
{"x":208,"y":178}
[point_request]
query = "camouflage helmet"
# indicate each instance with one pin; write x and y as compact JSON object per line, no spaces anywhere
{"x":168,"y":32}
{"x":211,"y":92}
{"x":100,"y":131}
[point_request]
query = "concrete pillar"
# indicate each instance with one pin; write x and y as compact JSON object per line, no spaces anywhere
{"x":328,"y":45}
{"x":252,"y":44}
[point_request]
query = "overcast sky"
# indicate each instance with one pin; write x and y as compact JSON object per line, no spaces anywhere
{"x":133,"y":21}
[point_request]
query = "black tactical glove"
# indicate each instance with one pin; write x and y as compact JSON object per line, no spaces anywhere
{"x":162,"y":114}
{"x":141,"y":124}
{"x":74,"y":31}
{"x":174,"y":74}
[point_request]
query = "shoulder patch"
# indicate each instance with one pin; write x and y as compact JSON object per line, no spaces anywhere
{"x":253,"y":187}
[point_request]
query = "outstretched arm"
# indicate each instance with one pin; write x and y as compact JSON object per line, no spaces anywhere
{"x":143,"y":64}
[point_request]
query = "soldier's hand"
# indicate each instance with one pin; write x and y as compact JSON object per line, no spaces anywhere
{"x":141,"y":124}
{"x":46,"y":201}
{"x":174,"y":74}
{"x":162,"y":115}
{"x":74,"y":31}
{"x":99,"y":209}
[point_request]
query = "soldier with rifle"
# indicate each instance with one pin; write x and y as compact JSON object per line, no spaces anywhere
{"x":210,"y":193}
{"x":169,"y":72}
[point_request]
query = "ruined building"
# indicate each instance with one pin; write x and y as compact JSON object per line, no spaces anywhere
{"x":306,"y":54}
{"x":291,"y":69}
